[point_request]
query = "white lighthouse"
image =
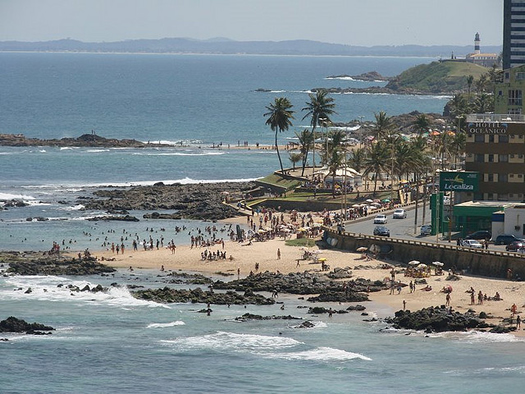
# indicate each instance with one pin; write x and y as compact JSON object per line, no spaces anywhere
{"x":477,"y":50}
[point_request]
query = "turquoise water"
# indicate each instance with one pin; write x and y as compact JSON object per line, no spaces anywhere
{"x":112,"y":343}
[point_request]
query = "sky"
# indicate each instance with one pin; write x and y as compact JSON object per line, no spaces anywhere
{"x":351,"y":22}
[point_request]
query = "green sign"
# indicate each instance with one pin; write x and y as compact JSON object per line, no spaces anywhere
{"x":456,"y":181}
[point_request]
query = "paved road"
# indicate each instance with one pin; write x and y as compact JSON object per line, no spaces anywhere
{"x":404,"y":228}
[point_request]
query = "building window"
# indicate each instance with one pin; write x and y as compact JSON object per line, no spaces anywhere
{"x":503,"y":178}
{"x":491,"y":138}
{"x":503,"y":138}
{"x":503,"y":158}
{"x":490,"y":196}
{"x":515,"y":97}
{"x":479,"y":158}
{"x":479,"y":138}
{"x":520,"y":76}
{"x":490,"y":177}
{"x":491,"y":158}
{"x":503,"y":197}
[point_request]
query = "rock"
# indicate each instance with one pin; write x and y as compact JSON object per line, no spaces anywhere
{"x":12,"y":324}
{"x":436,"y":319}
{"x":55,"y":265}
{"x":356,"y":308}
{"x":250,"y":316}
{"x":306,"y":324}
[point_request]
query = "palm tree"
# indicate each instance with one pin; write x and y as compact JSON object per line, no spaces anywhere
{"x":484,"y":103}
{"x":422,"y":124}
{"x":383,"y":125}
{"x":295,"y":158}
{"x":279,"y":119}
{"x":470,"y":81}
{"x":334,"y":154}
{"x":319,"y":109}
{"x":305,"y":143}
{"x":357,"y":159}
{"x":377,"y":161}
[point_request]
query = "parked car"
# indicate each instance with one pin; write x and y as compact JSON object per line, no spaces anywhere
{"x":382,"y":230}
{"x":506,"y":239}
{"x":481,"y":234}
{"x":380,"y":219}
{"x":472,"y":243}
{"x":515,"y":246}
{"x":426,"y":229}
{"x":399,"y":214}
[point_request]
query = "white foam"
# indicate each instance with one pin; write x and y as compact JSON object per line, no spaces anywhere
{"x":192,"y":153}
{"x":165,"y":325}
{"x":232,"y":341}
{"x":320,"y":354}
{"x":8,"y":196}
{"x":478,"y":337}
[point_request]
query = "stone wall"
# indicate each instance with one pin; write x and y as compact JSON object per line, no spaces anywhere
{"x":471,"y":261}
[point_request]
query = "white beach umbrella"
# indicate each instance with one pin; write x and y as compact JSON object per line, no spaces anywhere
{"x":414,"y":262}
{"x":438,"y":264}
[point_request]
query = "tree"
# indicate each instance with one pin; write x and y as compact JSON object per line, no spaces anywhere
{"x":306,"y":141}
{"x":383,"y":125}
{"x":279,"y":119}
{"x":422,"y":124}
{"x":333,"y":154}
{"x":319,"y":109}
{"x":470,"y":81}
{"x":377,"y":161}
{"x":295,"y":158}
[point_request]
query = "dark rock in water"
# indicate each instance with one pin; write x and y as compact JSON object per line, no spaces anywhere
{"x":356,"y":308}
{"x":250,"y":316}
{"x":126,"y":218}
{"x":28,"y":291}
{"x":168,"y":295}
{"x":502,"y":329}
{"x":306,"y":324}
{"x":319,"y":310}
{"x":12,"y":324}
{"x":55,"y":265}
{"x":340,"y":273}
{"x":436,"y":319}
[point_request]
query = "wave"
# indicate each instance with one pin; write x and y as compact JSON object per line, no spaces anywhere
{"x":8,"y":196}
{"x":478,"y":337}
{"x":202,"y":153}
{"x":164,"y":325}
{"x":232,"y":341}
{"x":55,"y":289}
{"x":320,"y":354}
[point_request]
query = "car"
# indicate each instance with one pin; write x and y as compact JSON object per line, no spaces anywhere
{"x":382,"y":230}
{"x":380,"y":219}
{"x":515,"y":246}
{"x":481,"y":234}
{"x":506,"y":239}
{"x":399,"y":214}
{"x":426,"y":229}
{"x":471,"y":243}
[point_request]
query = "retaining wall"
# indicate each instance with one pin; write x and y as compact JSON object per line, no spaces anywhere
{"x":472,"y":261}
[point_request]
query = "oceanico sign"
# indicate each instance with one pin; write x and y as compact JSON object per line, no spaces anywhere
{"x":459,"y":181}
{"x":487,"y":128}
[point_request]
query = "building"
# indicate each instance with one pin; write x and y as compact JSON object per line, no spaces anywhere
{"x":508,"y":95}
{"x":495,"y":147}
{"x":510,"y":221}
{"x":481,"y":59}
{"x":513,"y":33}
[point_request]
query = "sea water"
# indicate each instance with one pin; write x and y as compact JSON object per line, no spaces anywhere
{"x":112,"y":342}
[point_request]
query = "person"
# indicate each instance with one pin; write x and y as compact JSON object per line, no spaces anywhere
{"x":404,"y":304}
{"x":162,"y":268}
{"x":513,"y":309}
{"x":447,"y":298}
{"x":278,"y":254}
{"x":518,"y":321}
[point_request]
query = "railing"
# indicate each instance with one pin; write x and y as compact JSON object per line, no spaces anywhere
{"x":495,"y":118}
{"x":426,"y":244}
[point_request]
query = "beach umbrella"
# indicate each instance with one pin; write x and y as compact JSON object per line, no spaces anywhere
{"x":414,"y":262}
{"x":422,"y":265}
{"x":362,"y":249}
{"x":356,"y":206}
{"x":448,"y":288}
{"x":438,"y":264}
{"x":369,"y":200}
{"x":385,"y":200}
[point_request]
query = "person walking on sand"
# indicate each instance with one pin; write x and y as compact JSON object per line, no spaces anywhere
{"x":447,"y":298}
{"x":278,"y":254}
{"x":518,"y":321}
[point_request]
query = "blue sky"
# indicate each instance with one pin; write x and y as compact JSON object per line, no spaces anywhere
{"x":352,"y":22}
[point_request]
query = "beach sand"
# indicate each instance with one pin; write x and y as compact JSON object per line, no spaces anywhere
{"x":244,"y":258}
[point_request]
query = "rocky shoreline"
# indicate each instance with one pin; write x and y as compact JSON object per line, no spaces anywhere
{"x":85,"y":140}
{"x":191,"y":201}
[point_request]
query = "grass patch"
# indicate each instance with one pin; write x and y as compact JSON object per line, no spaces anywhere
{"x":305,"y":242}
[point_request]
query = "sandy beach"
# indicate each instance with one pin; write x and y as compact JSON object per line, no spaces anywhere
{"x":242,"y":257}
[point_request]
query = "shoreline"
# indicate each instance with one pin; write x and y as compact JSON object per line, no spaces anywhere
{"x":265,"y":254}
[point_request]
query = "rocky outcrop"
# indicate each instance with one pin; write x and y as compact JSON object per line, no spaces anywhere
{"x":169,"y":295}
{"x":251,"y":316}
{"x":125,"y":218}
{"x":85,"y":140}
{"x":437,"y":319}
{"x":304,"y":283}
{"x":192,"y":201}
{"x":13,"y":324}
{"x":53,"y":265}
{"x":371,"y":76}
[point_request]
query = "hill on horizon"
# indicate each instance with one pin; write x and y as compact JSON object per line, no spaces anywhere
{"x":221,"y":45}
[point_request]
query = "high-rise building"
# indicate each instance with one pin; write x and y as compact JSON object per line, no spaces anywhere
{"x":513,"y":33}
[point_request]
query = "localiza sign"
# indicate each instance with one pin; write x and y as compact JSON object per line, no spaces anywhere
{"x":456,"y":181}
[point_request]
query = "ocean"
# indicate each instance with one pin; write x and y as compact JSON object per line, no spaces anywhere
{"x":111,"y":342}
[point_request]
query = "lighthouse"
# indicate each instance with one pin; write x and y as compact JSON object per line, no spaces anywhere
{"x":477,"y":51}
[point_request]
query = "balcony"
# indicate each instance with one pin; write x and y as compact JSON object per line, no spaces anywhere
{"x":501,"y":118}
